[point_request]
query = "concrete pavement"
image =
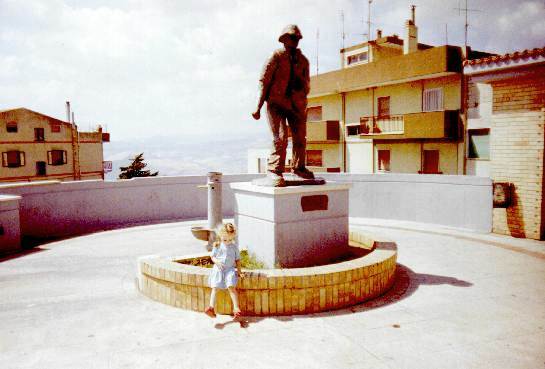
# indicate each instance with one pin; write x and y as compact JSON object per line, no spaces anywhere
{"x":461,"y":300}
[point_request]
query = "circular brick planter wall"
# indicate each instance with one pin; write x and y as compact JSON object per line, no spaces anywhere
{"x":276,"y":291}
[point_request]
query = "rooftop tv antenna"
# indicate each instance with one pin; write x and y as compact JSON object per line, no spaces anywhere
{"x":466,"y":10}
{"x":317,"y":50}
{"x":343,"y":35}
{"x":369,"y":20}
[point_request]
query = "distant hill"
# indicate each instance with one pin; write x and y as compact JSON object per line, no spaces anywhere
{"x":190,"y":155}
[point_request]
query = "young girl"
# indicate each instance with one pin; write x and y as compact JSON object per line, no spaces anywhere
{"x":225,"y":256}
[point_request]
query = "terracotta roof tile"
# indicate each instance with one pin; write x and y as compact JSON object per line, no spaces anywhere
{"x":524,"y":54}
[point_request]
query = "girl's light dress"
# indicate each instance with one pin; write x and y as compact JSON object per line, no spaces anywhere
{"x":227,"y":254}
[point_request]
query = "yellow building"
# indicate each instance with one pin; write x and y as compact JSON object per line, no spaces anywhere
{"x":394,"y":106}
{"x":35,"y":146}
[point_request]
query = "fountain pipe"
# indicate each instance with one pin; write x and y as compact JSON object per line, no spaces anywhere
{"x":215,"y":218}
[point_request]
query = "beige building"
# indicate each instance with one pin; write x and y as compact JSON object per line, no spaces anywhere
{"x":394,"y":106}
{"x":35,"y":146}
{"x":505,"y":136}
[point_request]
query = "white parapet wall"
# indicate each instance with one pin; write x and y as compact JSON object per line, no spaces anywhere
{"x":57,"y":209}
{"x":451,"y":200}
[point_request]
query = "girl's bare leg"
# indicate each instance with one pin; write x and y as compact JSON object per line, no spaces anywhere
{"x":213,"y":297}
{"x":234,"y":298}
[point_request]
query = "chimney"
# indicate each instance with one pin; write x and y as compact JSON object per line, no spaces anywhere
{"x":379,"y":33}
{"x":68,"y":111}
{"x":410,"y":37}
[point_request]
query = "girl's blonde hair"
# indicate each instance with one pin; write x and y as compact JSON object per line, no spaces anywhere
{"x":226,"y":232}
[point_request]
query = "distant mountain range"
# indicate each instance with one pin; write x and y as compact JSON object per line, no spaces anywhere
{"x":189,"y":155}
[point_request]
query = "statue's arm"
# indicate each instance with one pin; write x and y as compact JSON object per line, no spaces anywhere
{"x":307,"y":77}
{"x":265,"y":82}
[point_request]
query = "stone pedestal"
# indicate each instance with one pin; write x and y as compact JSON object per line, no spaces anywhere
{"x":292,"y":226}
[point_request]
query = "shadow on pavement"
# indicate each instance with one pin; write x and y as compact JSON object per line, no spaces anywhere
{"x":406,"y":283}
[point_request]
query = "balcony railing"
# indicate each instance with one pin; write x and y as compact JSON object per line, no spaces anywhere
{"x":392,"y":124}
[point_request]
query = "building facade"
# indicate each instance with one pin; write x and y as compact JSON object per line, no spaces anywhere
{"x":35,"y":147}
{"x":505,"y":136}
{"x":394,"y":106}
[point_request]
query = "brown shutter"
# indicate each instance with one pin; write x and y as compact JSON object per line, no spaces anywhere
{"x":4,"y":159}
{"x":21,"y":158}
{"x":333,"y":130}
{"x":64,"y":157}
{"x":49,"y":158}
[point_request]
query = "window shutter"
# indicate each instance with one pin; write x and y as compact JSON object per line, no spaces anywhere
{"x":21,"y":158}
{"x":4,"y":159}
{"x":64,"y":157}
{"x":433,"y":99}
{"x":49,"y":158}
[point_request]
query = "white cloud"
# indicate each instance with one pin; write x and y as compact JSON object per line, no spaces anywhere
{"x":175,"y":68}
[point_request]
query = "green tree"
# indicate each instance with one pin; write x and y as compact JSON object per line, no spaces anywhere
{"x":136,"y":169}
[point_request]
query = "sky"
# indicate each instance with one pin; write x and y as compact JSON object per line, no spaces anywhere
{"x":188,"y":69}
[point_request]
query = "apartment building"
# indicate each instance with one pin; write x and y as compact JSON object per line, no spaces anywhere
{"x":505,"y":136}
{"x":394,"y":106}
{"x":35,"y":146}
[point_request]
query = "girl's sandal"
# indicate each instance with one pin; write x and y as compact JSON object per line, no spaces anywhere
{"x":237,"y":315}
{"x":210,"y":312}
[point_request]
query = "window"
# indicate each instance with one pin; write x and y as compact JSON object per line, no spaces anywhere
{"x":353,"y":130}
{"x":431,"y":162}
{"x":39,"y":134}
{"x":384,"y":106}
{"x":56,"y":157}
{"x":357,"y":58}
{"x":13,"y":159}
{"x":332,"y":130}
{"x":314,"y":114}
{"x":55,"y":128}
{"x":384,"y":160}
{"x":432,"y":99}
{"x":478,"y":143}
{"x":11,"y":127}
{"x":40,"y":168}
{"x":314,"y":158}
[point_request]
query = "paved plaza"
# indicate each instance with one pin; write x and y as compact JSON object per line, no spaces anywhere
{"x":461,"y":300}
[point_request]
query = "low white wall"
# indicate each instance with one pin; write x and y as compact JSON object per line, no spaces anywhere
{"x":450,"y":200}
{"x":57,"y":209}
{"x":10,"y":231}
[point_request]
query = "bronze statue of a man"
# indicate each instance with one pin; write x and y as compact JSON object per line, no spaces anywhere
{"x":285,"y":83}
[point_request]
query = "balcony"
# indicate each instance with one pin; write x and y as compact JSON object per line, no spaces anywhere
{"x":381,"y":125}
{"x":436,"y":124}
{"x":325,"y":131}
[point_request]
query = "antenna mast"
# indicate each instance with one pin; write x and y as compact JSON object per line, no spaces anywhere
{"x":466,"y":10}
{"x":343,"y":35}
{"x":369,"y":20}
{"x":317,"y":50}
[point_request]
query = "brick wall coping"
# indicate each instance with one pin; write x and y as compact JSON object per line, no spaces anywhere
{"x":276,"y":291}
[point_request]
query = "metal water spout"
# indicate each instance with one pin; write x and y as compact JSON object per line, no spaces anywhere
{"x":215,"y":218}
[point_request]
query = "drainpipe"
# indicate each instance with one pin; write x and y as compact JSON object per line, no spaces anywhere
{"x":463,"y":106}
{"x":343,"y":117}
{"x":372,"y":124}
